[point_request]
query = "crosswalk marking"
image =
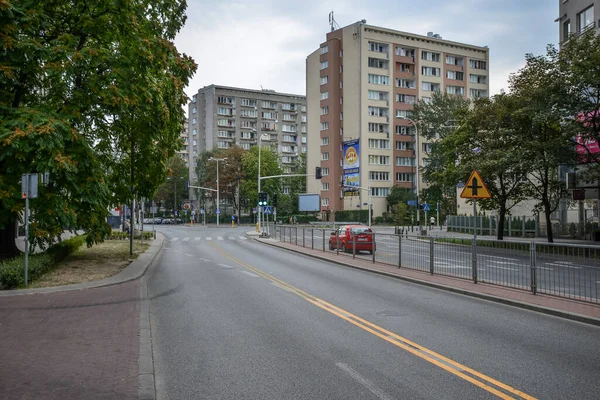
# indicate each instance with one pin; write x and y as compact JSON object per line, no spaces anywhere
{"x":174,"y":239}
{"x":249,"y":274}
{"x":220,"y":237}
{"x":197,"y":238}
{"x":185,"y":239}
{"x":242,"y":237}
{"x":225,"y":266}
{"x":208,"y":238}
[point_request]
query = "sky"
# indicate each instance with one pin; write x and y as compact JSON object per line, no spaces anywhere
{"x":264,"y":43}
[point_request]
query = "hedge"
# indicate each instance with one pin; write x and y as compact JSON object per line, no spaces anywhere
{"x":12,"y":274}
{"x":118,"y":235}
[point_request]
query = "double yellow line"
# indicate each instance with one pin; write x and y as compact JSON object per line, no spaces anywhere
{"x":491,"y":385}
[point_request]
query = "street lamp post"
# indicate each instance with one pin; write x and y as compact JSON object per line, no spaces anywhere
{"x":218,"y":199}
{"x":417,"y":170}
{"x":260,"y":137}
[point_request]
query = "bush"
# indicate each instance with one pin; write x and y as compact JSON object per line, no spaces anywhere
{"x":118,"y":235}
{"x":12,"y":274}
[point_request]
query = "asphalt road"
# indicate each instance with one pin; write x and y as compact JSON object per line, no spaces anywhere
{"x":557,"y":272}
{"x":235,"y":319}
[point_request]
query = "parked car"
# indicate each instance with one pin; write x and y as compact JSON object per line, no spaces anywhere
{"x":346,"y":234}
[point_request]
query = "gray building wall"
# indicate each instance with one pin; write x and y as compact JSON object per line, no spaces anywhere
{"x":568,"y":16}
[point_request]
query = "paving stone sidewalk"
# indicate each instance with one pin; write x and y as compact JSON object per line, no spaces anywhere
{"x":81,"y":344}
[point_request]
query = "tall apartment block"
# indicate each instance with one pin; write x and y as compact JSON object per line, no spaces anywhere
{"x":360,"y":84}
{"x":221,"y":117}
{"x":184,"y":153}
{"x":577,"y":16}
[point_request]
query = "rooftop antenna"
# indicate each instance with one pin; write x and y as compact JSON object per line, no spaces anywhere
{"x":332,"y":22}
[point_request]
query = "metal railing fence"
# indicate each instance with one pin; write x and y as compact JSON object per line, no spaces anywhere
{"x":564,"y":270}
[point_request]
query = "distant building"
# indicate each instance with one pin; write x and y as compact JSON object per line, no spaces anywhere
{"x":184,"y":152}
{"x":362,"y":84}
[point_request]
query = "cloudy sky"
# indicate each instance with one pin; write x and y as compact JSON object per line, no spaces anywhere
{"x":254,"y":43}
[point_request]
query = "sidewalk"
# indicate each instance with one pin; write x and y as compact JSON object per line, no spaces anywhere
{"x":561,"y":307}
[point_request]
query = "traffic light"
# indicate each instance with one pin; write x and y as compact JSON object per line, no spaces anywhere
{"x":318,"y":173}
{"x":262,"y":198}
{"x":275,"y":200}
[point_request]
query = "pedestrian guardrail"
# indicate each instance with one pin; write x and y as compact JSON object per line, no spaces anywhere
{"x":564,"y":270}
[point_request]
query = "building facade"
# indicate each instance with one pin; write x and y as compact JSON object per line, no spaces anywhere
{"x":361,"y":84}
{"x":577,"y":16}
{"x":184,"y":153}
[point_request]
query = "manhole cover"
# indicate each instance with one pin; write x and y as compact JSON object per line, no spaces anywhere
{"x":389,"y":314}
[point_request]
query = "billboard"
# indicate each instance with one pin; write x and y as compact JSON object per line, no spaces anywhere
{"x":351,"y":168}
{"x":586,"y":149}
{"x":309,"y":202}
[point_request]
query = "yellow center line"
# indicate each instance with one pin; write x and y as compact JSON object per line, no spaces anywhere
{"x":437,"y":359}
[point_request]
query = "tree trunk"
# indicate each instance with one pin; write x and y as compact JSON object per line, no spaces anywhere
{"x":501,"y":215}
{"x":548,"y":223}
{"x":8,"y":247}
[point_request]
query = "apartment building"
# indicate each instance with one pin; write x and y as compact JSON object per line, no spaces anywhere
{"x":361,"y":85}
{"x":577,"y":16}
{"x":184,"y":153}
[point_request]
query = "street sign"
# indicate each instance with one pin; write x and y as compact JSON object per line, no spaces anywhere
{"x":254,"y":210}
{"x":153,"y":210}
{"x":475,"y":188}
{"x":412,"y":203}
{"x":426,"y":207}
{"x":267,"y":210}
{"x":202,"y":211}
{"x":186,"y":206}
{"x":233,"y":217}
{"x":218,"y":211}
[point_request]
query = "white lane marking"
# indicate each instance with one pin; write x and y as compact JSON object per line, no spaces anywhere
{"x":499,"y":267}
{"x":220,"y":237}
{"x":185,"y":239}
{"x":281,"y":287}
{"x":208,"y":238}
{"x":547,"y":269}
{"x":190,"y":255}
{"x":242,"y":237}
{"x":197,"y":238}
{"x":225,"y":266}
{"x":563,"y":265}
{"x":363,"y":381}
{"x":204,"y":259}
{"x":230,"y":238}
{"x":249,"y":274}
{"x":174,"y":239}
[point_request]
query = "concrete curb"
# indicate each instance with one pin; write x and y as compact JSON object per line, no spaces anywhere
{"x":146,"y":379}
{"x":515,"y":303}
{"x":133,"y":271}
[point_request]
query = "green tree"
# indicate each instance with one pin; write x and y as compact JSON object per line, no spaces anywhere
{"x":87,"y":91}
{"x":174,"y":186}
{"x":269,"y":166}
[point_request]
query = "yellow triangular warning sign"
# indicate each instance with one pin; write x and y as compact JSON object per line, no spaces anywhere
{"x":475,"y":188}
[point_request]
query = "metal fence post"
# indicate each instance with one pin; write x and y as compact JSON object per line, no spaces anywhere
{"x":303,"y":238}
{"x":337,"y":243}
{"x":533,"y":268}
{"x":323,"y":240}
{"x":431,"y":255}
{"x":296,"y":234}
{"x":399,"y":251}
{"x":373,"y":247}
{"x":312,"y":238}
{"x":353,"y":245}
{"x":474,"y":260}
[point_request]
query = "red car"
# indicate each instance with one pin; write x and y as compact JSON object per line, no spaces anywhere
{"x":344,"y":236}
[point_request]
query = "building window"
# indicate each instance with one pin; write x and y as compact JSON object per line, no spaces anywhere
{"x":194,"y":98}
{"x":477,"y":64}
{"x":324,"y":80}
{"x":303,"y":108}
{"x":379,"y":144}
{"x":379,"y":176}
{"x":303,"y":118}
{"x":453,"y":60}
{"x":426,"y":147}
{"x":585,"y":19}
{"x":403,"y":145}
{"x":377,"y":95}
{"x":224,"y":100}
{"x":324,"y":171}
{"x":404,"y":161}
{"x":426,"y":100}
{"x":194,"y":110}
{"x":325,"y":110}
{"x":222,"y":111}
{"x":404,"y":52}
{"x":379,"y":79}
{"x":430,"y":56}
{"x":324,"y":126}
{"x":404,"y":177}
{"x":194,"y":132}
{"x":403,"y":113}
{"x":222,"y":144}
{"x":458,"y":76}
{"x":248,"y":114}
{"x":431,"y":71}
{"x":303,"y":149}
{"x":378,"y":47}
{"x":325,"y":186}
{"x":324,"y":95}
{"x":325,"y":156}
{"x":378,"y":63}
{"x":324,"y":64}
{"x":248,"y":102}
{"x":378,"y":111}
{"x":476,"y":93}
{"x":269,"y":104}
{"x":406,"y":83}
{"x":406,"y":99}
{"x":430,"y":86}
{"x":324,"y":49}
{"x":195,"y":142}
{"x":286,"y":190}
{"x":324,"y":202}
{"x":375,"y":127}
{"x":325,"y":141}
{"x":566,"y":29}
{"x":380,"y":192}
{"x":457,"y":90}
{"x":404,"y":130}
{"x":194,"y":121}
{"x":379,"y":160}
{"x":269,"y":115}
{"x":477,"y":78}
